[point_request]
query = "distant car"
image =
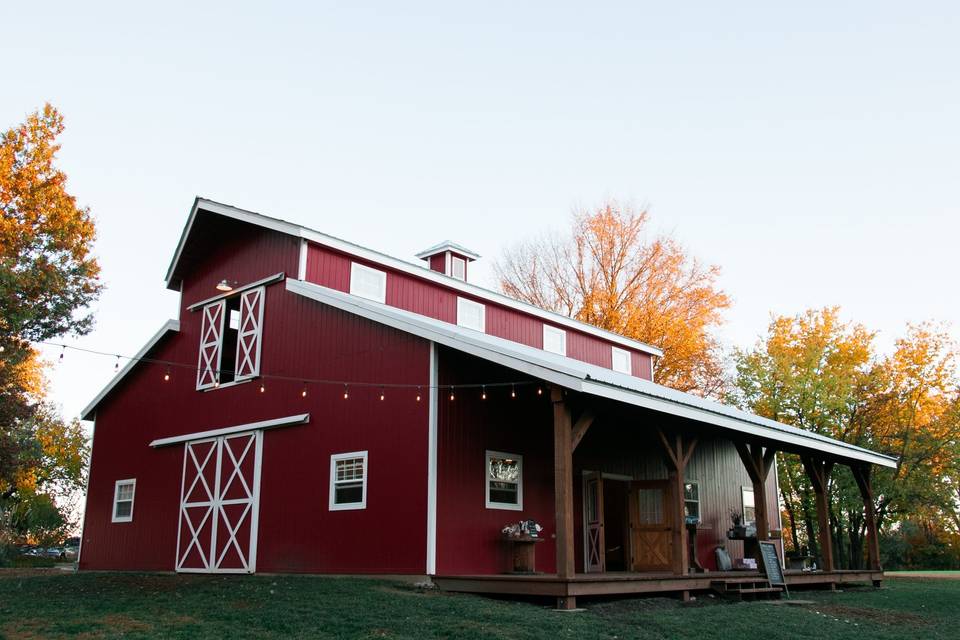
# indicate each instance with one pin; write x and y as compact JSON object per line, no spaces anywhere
{"x":55,"y":552}
{"x":71,"y":551}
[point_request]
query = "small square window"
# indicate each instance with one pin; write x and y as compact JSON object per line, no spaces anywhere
{"x":554,"y":340}
{"x":471,"y":315}
{"x":621,"y":361}
{"x":504,"y":481}
{"x":123,"y":494}
{"x":749,"y":509}
{"x":368,"y":283}
{"x":348,"y":481}
{"x":458,"y":268}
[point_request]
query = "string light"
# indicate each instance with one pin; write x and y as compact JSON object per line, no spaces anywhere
{"x":539,"y":391}
{"x":346,"y":392}
{"x":452,"y":397}
{"x":166,"y":375}
{"x":418,"y":394}
{"x":483,"y":392}
{"x":382,"y":396}
{"x":263,"y":387}
{"x":513,"y":391}
{"x":62,"y":350}
{"x":116,"y":366}
{"x":303,"y":394}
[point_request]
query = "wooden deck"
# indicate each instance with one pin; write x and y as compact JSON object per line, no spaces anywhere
{"x":615,"y":583}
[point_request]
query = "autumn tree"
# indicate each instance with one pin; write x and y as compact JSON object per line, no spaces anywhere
{"x":823,"y":375}
{"x":48,"y":278}
{"x":609,"y":272}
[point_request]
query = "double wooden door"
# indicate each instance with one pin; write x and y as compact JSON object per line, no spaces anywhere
{"x":650,"y":532}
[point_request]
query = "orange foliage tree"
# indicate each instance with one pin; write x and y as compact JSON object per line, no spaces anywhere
{"x":609,"y":273}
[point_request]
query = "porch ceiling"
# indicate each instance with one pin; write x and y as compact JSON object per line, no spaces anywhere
{"x":591,"y":379}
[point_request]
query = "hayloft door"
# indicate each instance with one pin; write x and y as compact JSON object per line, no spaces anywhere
{"x":594,"y":558}
{"x":219,"y":504}
{"x":650,"y":532}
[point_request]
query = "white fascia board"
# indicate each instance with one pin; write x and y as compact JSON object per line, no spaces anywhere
{"x":169,"y":325}
{"x":832,"y":447}
{"x":288,"y":421}
{"x":415,"y":270}
{"x":447,"y":245}
{"x":237,"y":290}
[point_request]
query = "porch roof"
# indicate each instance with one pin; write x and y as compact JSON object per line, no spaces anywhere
{"x":587,"y":378}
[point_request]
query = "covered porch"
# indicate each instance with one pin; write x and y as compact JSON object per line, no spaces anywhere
{"x":657,"y":528}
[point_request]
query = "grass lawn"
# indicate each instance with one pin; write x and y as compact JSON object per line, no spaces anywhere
{"x":51,"y":604}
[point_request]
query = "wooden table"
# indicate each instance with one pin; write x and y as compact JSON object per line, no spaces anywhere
{"x":523,"y":553}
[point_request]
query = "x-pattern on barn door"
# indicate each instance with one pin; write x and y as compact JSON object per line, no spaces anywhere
{"x":219,"y":503}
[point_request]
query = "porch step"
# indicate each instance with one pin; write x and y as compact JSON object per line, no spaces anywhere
{"x":750,"y":587}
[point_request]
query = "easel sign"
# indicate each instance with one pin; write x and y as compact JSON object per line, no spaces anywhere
{"x":771,"y":566}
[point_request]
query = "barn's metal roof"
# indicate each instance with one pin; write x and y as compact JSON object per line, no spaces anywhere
{"x":201,"y":204}
{"x":584,"y":377}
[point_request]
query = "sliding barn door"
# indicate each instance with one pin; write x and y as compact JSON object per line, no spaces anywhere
{"x":219,"y":504}
{"x":651,"y":543}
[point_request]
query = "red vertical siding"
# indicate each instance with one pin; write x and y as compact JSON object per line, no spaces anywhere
{"x":468,"y":534}
{"x":439,"y":262}
{"x":330,"y":268}
{"x":641,"y":365}
{"x":301,"y":339}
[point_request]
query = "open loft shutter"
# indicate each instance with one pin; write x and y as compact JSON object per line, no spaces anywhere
{"x":248,"y":336}
{"x":211,"y":337}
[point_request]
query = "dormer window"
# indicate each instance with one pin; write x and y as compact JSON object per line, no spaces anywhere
{"x":621,"y":361}
{"x":368,"y":283}
{"x":230,"y":336}
{"x":471,"y":315}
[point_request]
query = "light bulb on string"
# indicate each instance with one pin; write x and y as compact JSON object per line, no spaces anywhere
{"x":539,"y":391}
{"x":116,"y":366}
{"x":452,"y":397}
{"x":303,"y":393}
{"x":382,"y":396}
{"x":513,"y":391}
{"x":166,"y":375}
{"x":418,"y":394}
{"x":62,"y":349}
{"x":346,"y":392}
{"x":263,"y":387}
{"x":483,"y":393}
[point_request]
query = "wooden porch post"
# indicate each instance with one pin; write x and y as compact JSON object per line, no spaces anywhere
{"x":563,"y":491}
{"x":677,"y":458}
{"x":758,"y":461}
{"x":819,"y":474}
{"x":861,"y":473}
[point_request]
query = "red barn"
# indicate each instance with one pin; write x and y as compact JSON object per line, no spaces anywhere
{"x":320,"y":407}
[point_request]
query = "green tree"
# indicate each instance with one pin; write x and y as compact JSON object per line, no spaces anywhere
{"x":48,"y":278}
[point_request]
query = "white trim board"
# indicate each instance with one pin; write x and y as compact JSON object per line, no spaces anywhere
{"x":583,"y":377}
{"x":277,"y":277}
{"x":397,"y":264}
{"x":433,"y":397}
{"x":288,"y":421}
{"x":169,"y":325}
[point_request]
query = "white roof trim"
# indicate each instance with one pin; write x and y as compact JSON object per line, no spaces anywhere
{"x":400,"y":265}
{"x":448,"y":245}
{"x":169,"y":325}
{"x":584,"y":377}
{"x":237,"y":290}
{"x":288,"y":421}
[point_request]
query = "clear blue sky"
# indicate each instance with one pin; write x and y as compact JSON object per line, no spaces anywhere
{"x":811,"y":151}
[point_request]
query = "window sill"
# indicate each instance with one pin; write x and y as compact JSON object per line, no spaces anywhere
{"x":227,"y":385}
{"x":121,"y":520}
{"x":504,"y":506}
{"x":353,"y":506}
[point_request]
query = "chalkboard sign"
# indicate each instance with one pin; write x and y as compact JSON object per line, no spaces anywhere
{"x":771,"y":565}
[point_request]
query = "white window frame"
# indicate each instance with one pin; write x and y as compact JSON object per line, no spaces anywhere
{"x":743,"y":504}
{"x":614,"y":352}
{"x":377,"y":296}
{"x":486,"y":480}
{"x":695,"y":483}
{"x":454,"y":262}
{"x":462,"y":305}
{"x":116,"y":494}
{"x":551,"y":330}
{"x":348,"y":506}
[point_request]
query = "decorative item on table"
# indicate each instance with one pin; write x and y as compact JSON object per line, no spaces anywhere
{"x":738,"y":530}
{"x":524,"y":528}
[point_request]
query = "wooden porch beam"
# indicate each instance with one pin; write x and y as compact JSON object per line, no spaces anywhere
{"x":677,"y":457}
{"x":861,"y":473}
{"x":580,"y":428}
{"x":819,"y":473}
{"x":758,"y":461}
{"x":563,"y":487}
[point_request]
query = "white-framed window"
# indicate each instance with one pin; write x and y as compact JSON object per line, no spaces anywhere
{"x":504,"y":480}
{"x":471,"y":315}
{"x":749,"y":507}
{"x":691,"y":499}
{"x":368,"y":283}
{"x":348,"y":481}
{"x":621,"y":361}
{"x":554,"y":340}
{"x":123,"y":493}
{"x":230,"y":337}
{"x":458,"y":268}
